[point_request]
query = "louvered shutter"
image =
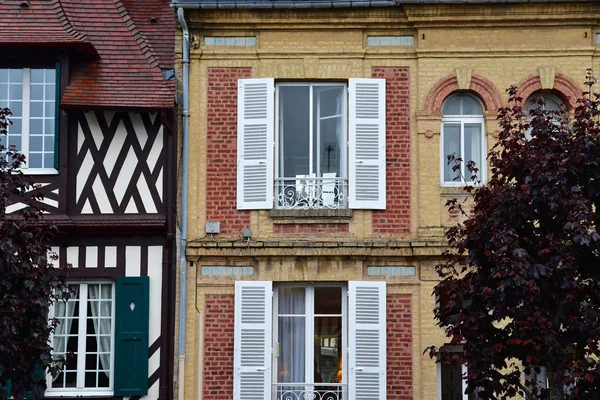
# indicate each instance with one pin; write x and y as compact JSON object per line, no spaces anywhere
{"x":256,"y":102}
{"x":367,"y":144}
{"x":252,"y":353}
{"x":367,"y":340}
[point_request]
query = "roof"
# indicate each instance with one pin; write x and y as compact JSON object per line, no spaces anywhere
{"x":42,"y":23}
{"x":335,"y":3}
{"x":131,"y":45}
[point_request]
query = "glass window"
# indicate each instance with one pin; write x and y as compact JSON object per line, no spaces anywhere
{"x":30,"y":93}
{"x":310,"y":341}
{"x":84,"y":338}
{"x":311,"y":152}
{"x":463,"y":137}
{"x":548,"y":102}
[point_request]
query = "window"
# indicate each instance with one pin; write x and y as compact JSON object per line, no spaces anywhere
{"x":310,"y":341}
{"x":551,"y":103}
{"x":311,"y":145}
{"x":451,"y":374}
{"x":86,"y":330}
{"x":103,"y":332}
{"x":463,"y":137}
{"x":311,"y":153}
{"x":31,"y":93}
{"x":406,"y":40}
{"x":309,"y":318}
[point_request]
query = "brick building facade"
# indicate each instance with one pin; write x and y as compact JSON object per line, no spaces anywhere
{"x":318,"y":138}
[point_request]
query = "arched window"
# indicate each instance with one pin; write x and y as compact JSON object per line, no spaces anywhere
{"x":462,"y":136}
{"x":551,"y":103}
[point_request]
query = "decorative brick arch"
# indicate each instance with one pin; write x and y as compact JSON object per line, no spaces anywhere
{"x":566,"y":86}
{"x":487,"y":91}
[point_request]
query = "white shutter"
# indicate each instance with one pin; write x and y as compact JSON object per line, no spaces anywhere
{"x":256,"y":102}
{"x":367,"y":340}
{"x":252,"y":347}
{"x":367,"y":144}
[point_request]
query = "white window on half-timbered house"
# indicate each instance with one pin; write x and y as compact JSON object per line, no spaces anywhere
{"x":314,"y":341}
{"x":31,"y":95}
{"x":310,"y":145}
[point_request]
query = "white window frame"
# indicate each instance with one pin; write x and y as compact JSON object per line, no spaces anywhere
{"x":462,"y":120}
{"x":25,"y":123}
{"x":81,"y":390}
{"x":312,"y":135}
{"x":309,"y":329}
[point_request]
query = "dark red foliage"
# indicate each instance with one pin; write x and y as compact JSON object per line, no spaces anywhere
{"x":520,"y":288}
{"x":29,"y":283}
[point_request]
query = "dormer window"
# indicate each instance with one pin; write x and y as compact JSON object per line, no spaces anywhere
{"x":30,"y":94}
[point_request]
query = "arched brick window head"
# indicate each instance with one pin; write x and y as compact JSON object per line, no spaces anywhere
{"x":483,"y":87}
{"x":566,"y":87}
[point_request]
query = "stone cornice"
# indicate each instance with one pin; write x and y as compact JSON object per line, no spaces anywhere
{"x":287,"y":248}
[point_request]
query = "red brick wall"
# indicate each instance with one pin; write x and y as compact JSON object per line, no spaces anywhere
{"x":218,"y":347}
{"x":221,"y":171}
{"x":396,"y":217}
{"x":311,"y":228}
{"x":399,"y":347}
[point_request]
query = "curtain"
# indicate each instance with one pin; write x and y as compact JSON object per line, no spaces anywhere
{"x":473,"y":148}
{"x":99,"y":297}
{"x":292,"y":349}
{"x":64,"y":311}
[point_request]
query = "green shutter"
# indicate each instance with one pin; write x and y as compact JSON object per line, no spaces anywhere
{"x":39,"y":376}
{"x":131,"y":336}
{"x":8,"y":388}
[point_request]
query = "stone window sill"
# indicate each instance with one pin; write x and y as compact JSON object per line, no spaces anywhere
{"x":326,"y":216}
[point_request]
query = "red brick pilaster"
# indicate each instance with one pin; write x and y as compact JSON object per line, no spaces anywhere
{"x":218,"y":347}
{"x":399,"y":347}
{"x":221,"y":148}
{"x":396,"y":217}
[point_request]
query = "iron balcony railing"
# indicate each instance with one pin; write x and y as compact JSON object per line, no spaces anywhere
{"x":310,"y":391}
{"x":303,"y":193}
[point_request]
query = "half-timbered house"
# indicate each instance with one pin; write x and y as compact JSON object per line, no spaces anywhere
{"x":89,"y":83}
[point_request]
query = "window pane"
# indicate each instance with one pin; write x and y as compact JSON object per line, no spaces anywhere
{"x":50,"y":75}
{"x":15,"y":75}
{"x":37,"y":109}
{"x":3,"y":75}
{"x":35,"y":143}
{"x":452,"y":106}
{"x":292,"y":349}
{"x":328,"y":349}
{"x":294,"y":131}
{"x":37,"y":92}
{"x":16,"y":107}
{"x":15,"y":92}
{"x":471,"y":106}
{"x":328,"y":300}
{"x":451,"y":146}
{"x":49,"y":160}
{"x":473,"y":146}
{"x":291,"y":300}
{"x":452,"y":382}
{"x":16,"y":127}
{"x":34,"y":160}
{"x":15,"y":140}
{"x":37,"y":75}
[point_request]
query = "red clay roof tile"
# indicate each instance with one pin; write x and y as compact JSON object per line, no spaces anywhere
{"x":127,"y":70}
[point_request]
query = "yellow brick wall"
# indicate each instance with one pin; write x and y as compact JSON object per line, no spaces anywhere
{"x":502,"y":43}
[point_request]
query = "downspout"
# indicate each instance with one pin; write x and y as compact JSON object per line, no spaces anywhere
{"x":184,"y":198}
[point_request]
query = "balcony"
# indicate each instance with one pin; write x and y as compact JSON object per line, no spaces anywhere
{"x":312,"y":391}
{"x":309,"y":193}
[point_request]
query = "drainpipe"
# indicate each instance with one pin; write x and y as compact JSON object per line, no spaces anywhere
{"x":184,"y":197}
